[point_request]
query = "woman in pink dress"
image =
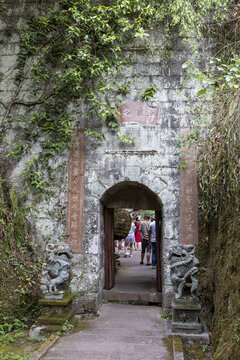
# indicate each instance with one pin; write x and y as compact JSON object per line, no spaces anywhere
{"x":138,"y":239}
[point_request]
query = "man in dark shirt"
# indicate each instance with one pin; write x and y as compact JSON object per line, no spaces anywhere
{"x":144,"y":229}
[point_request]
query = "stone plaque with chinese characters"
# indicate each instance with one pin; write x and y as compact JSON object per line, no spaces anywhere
{"x":138,"y":112}
{"x":188,"y":197}
{"x":76,"y":192}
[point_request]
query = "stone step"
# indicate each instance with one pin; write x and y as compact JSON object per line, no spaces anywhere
{"x":112,"y":343}
{"x":137,"y":297}
{"x":108,"y":352}
{"x":121,"y":332}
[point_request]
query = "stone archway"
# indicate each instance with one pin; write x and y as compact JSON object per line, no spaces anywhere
{"x":129,"y":194}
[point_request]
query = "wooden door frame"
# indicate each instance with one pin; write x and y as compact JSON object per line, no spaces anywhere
{"x":110,"y":250}
{"x":109,"y":247}
{"x":158,"y":250}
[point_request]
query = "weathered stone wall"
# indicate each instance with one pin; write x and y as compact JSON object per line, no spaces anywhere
{"x":151,"y":161}
{"x":47,"y":217}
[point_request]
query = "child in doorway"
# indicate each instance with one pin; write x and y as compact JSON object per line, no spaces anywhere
{"x":130,"y":240}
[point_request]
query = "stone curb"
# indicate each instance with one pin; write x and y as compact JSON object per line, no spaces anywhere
{"x":38,"y":354}
{"x":202,"y":338}
{"x":177,"y":349}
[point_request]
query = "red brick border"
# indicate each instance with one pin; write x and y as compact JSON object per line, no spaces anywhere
{"x":188,"y":197}
{"x":76,"y":192}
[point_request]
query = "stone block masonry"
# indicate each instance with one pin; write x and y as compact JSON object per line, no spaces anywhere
{"x":74,"y":210}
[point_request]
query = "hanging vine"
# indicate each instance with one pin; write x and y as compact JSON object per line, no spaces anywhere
{"x":74,"y":52}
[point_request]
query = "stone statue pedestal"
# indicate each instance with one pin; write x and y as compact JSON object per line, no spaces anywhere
{"x":56,"y":312}
{"x":185,"y":318}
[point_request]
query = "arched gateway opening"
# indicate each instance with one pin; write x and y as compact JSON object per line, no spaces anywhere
{"x":133,"y":195}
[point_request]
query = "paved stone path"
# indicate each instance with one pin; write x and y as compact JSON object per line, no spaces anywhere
{"x":134,"y":277}
{"x":134,"y":282}
{"x":121,"y":332}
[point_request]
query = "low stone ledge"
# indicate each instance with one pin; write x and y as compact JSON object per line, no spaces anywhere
{"x":177,"y":349}
{"x":38,"y":354}
{"x":202,"y":338}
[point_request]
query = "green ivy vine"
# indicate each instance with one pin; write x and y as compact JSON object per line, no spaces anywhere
{"x":74,"y":52}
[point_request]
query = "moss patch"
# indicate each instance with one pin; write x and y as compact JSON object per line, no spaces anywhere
{"x":168,"y":343}
{"x":196,"y":352}
{"x":57,"y":319}
{"x":19,"y":263}
{"x":22,"y":345}
{"x":219,"y":291}
{"x":83,"y":325}
{"x":67,"y":298}
{"x":178,"y":344}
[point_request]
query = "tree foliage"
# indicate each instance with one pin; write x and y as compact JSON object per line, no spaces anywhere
{"x":122,"y":223}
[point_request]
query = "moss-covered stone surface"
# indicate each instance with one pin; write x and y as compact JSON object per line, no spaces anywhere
{"x":17,"y":346}
{"x":19,"y":265}
{"x":196,"y":352}
{"x":219,"y":290}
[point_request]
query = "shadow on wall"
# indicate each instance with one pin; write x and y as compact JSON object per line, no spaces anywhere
{"x":131,"y":194}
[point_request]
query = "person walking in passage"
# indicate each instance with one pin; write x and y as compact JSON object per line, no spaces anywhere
{"x":130,"y":240}
{"x":152,"y":241}
{"x":144,"y":229}
{"x":138,"y":239}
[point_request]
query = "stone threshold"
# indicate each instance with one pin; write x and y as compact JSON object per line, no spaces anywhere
{"x":137,"y":297}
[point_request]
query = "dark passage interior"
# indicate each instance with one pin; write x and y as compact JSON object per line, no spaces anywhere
{"x":132,"y":277}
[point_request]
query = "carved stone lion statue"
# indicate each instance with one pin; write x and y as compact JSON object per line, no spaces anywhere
{"x":183,"y":266}
{"x":56,"y":269}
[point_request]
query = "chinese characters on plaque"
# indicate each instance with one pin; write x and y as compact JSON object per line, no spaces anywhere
{"x":139,"y":112}
{"x":76,"y":192}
